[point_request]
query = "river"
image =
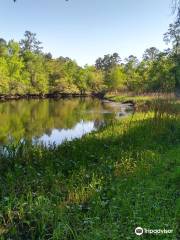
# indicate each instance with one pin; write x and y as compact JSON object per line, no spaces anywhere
{"x":51,"y":121}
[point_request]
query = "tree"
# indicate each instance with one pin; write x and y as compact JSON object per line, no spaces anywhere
{"x":107,"y":62}
{"x":48,"y":56}
{"x":131,"y":62}
{"x":173,"y":36}
{"x":4,"y":76}
{"x":116,"y":79}
{"x":150,"y":54}
{"x":131,"y":70}
{"x":17,"y":81}
{"x":176,"y":6}
{"x":80,"y":81}
{"x":30,"y":43}
{"x":161,"y":75}
{"x":3,"y":47}
{"x":37,"y":73}
{"x":25,"y":69}
{"x":94,"y":79}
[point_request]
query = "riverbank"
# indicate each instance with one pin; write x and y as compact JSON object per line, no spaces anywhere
{"x":101,"y":186}
{"x":41,"y":96}
{"x":168,"y":103}
{"x":135,"y":100}
{"x":142,"y":98}
{"x":55,"y":95}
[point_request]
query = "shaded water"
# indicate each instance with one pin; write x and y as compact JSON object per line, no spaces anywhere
{"x":53,"y":121}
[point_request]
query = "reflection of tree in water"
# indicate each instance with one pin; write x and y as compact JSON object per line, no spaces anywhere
{"x":32,"y":118}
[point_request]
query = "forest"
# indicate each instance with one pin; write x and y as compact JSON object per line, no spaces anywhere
{"x":26,"y":69}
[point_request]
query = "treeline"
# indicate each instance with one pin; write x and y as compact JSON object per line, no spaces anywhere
{"x":26,"y":69}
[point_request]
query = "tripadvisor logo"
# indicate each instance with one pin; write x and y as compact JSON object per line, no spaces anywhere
{"x":139,"y":231}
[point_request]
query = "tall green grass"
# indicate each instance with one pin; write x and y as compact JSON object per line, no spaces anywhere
{"x":99,"y":187}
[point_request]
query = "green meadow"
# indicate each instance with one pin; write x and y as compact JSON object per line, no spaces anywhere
{"x":101,"y":186}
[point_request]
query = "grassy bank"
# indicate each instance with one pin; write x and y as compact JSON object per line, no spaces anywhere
{"x":99,"y":187}
{"x":142,"y":98}
{"x":165,"y":103}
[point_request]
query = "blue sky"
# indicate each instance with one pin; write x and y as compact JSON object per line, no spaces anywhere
{"x":86,"y":29}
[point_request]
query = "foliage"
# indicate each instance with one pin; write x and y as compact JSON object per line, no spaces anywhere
{"x":107,"y":62}
{"x":30,"y":43}
{"x":25,"y":69}
{"x":151,"y":54}
{"x":173,"y":36}
{"x":99,"y":187}
{"x":116,"y":78}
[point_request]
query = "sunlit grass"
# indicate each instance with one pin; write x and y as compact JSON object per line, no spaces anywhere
{"x":141,"y":97}
{"x":99,"y":187}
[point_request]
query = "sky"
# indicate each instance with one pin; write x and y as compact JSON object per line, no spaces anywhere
{"x":87,"y":29}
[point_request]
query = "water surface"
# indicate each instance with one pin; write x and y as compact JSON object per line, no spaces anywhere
{"x":53,"y":121}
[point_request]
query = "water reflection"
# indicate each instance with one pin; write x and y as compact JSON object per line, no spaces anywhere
{"x":50,"y":121}
{"x":58,"y":136}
